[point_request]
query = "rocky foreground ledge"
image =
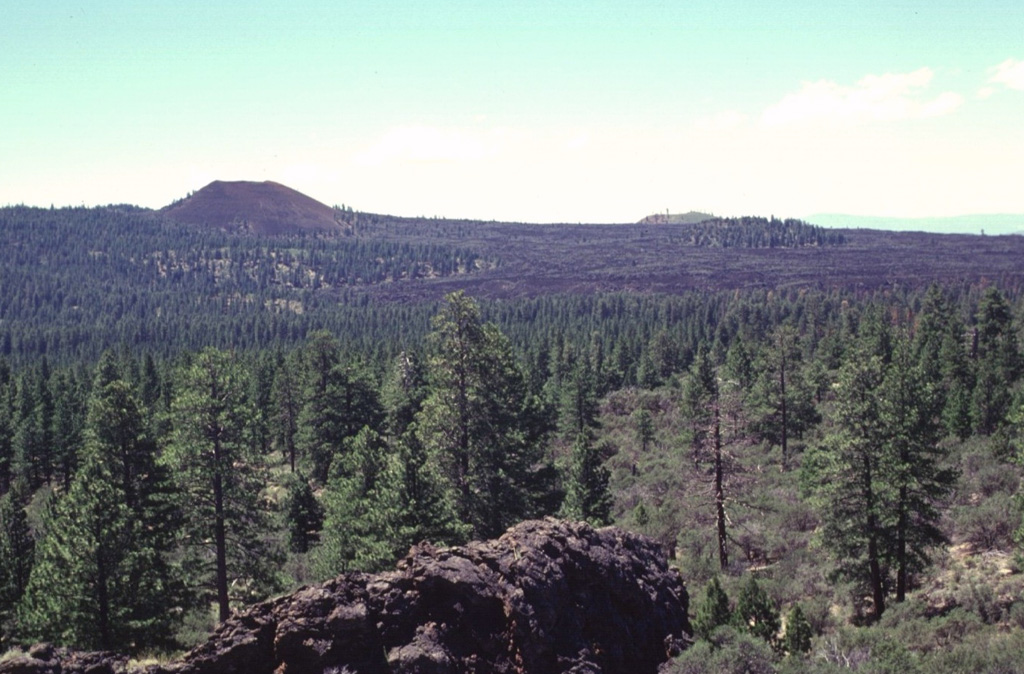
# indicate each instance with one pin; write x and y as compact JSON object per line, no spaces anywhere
{"x":548,"y":596}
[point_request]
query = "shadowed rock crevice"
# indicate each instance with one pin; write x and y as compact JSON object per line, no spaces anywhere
{"x":548,"y":596}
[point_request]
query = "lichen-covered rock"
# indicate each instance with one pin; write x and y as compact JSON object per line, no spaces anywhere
{"x":548,"y":596}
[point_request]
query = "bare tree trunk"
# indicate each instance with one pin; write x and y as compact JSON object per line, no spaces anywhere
{"x":785,"y":419}
{"x":723,"y":553}
{"x":103,"y":599}
{"x":901,"y":547}
{"x":874,"y":567}
{"x":220,"y":539}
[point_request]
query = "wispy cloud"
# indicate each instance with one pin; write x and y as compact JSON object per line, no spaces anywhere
{"x":1009,"y":73}
{"x":875,"y":98}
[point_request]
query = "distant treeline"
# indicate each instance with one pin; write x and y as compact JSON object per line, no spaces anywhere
{"x":76,"y":281}
{"x":742,"y":232}
{"x":757,"y":232}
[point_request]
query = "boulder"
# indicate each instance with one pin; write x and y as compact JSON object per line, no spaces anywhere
{"x":46,"y":659}
{"x":547,"y":596}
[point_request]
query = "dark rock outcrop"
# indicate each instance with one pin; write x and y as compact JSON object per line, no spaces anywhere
{"x":548,"y":596}
{"x":45,"y":659}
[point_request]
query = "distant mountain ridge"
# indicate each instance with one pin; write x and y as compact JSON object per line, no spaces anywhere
{"x":270,"y":208}
{"x":992,"y":224}
{"x":257,"y":207}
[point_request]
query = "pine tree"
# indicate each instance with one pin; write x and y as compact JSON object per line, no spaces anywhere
{"x":355,"y":398}
{"x":797,"y":639}
{"x":149,"y":386}
{"x":956,"y":387}
{"x":287,"y":396}
{"x":663,"y":352}
{"x":32,"y":434}
{"x":640,"y":516}
{"x":877,"y":476}
{"x":909,"y":411}
{"x":756,"y":612}
{"x":578,"y":413}
{"x":874,"y":334}
{"x":339,"y":402}
{"x":842,"y":477}
{"x":99,"y":580}
{"x":940,"y":353}
{"x":998,"y":360}
{"x":68,"y":423}
{"x":996,"y":338}
{"x":739,"y":363}
{"x":428,"y":505}
{"x":713,"y":611}
{"x":783,"y":406}
{"x":117,"y":427}
{"x":701,"y":396}
{"x":7,"y":462}
{"x":107,"y":370}
{"x":305,"y":516}
{"x":643,"y":427}
{"x":647,"y":372}
{"x":221,"y":475}
{"x":363,"y":509}
{"x":317,"y":435}
{"x":261,"y":384}
{"x":80,"y":590}
{"x":935,"y":322}
{"x":17,"y":548}
{"x":480,"y":421}
{"x":44,"y":458}
{"x":403,"y":393}
{"x":111,"y":536}
{"x":586,"y":494}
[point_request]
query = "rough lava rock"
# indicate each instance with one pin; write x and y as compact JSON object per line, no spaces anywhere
{"x":46,"y":659}
{"x":548,"y":596}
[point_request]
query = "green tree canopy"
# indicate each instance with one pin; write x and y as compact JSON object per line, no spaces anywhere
{"x":221,"y":475}
{"x":480,"y":421}
{"x":756,"y":612}
{"x":587,"y":496}
{"x":713,"y":611}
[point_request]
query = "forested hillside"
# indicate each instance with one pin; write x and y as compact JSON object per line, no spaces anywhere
{"x":191,"y":420}
{"x":79,"y":281}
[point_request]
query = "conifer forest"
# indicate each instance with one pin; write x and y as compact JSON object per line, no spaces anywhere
{"x":823,"y":428}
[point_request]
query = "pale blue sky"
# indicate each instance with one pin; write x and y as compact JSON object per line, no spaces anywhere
{"x":541,"y":111}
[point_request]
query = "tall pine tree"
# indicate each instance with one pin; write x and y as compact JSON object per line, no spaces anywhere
{"x":998,"y":362}
{"x":363,"y":509}
{"x":480,"y":422}
{"x":107,"y":542}
{"x":221,"y":473}
{"x":912,"y":464}
{"x":17,"y":547}
{"x":80,"y":591}
{"x":843,"y":476}
{"x":878,"y":476}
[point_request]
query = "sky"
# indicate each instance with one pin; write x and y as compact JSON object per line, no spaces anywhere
{"x":532,"y":110}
